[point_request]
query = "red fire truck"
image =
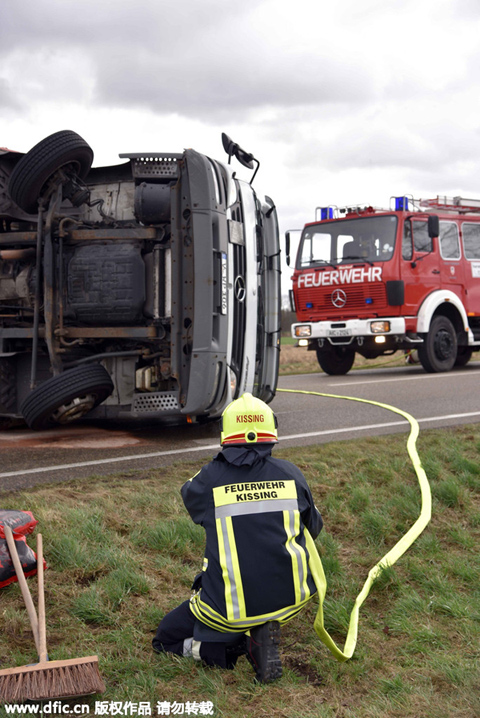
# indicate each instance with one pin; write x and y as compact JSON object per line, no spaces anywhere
{"x":375,"y":281}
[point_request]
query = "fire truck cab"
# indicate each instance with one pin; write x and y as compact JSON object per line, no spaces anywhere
{"x":375,"y":281}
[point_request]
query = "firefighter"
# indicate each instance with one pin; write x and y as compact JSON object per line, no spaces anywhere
{"x":254,"y":509}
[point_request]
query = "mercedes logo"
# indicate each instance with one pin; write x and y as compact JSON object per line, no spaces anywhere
{"x":339,"y":298}
{"x":239,"y":288}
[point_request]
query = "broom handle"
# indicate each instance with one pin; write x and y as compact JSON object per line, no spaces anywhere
{"x":42,"y":630}
{"x":22,"y":582}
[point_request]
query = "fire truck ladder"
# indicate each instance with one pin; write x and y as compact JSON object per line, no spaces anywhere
{"x":459,"y":205}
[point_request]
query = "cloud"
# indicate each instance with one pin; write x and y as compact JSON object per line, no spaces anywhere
{"x":55,"y":23}
{"x":215,"y":90}
{"x":220,"y":57}
{"x":8,"y":100}
{"x":215,"y":58}
{"x":340,"y":101}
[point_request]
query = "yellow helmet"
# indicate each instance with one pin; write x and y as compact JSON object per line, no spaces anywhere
{"x":248,"y":420}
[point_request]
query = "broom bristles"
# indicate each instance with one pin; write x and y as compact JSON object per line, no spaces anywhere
{"x":58,"y":679}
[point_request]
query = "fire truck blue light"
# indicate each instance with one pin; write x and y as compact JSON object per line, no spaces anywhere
{"x":401,"y":204}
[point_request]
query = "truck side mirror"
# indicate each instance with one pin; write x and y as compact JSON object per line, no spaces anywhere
{"x":228,"y":145}
{"x":433,"y":225}
{"x":287,"y":248}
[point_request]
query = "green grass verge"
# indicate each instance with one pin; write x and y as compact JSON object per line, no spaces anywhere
{"x":288,"y":341}
{"x":122,"y":551}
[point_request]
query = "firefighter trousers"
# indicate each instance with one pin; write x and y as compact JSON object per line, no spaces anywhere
{"x":179,"y":632}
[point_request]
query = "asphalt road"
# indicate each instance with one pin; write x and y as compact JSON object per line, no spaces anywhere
{"x":435,"y":400}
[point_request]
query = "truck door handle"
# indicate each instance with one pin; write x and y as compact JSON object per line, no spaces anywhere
{"x":435,"y":271}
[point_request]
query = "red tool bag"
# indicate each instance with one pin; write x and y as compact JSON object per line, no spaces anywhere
{"x":21,"y":523}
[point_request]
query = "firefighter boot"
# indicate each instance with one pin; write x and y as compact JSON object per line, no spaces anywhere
{"x":262,"y":647}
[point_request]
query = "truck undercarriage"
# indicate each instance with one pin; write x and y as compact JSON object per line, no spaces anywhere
{"x":114,"y":286}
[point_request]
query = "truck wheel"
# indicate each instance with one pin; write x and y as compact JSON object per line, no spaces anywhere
{"x":464,"y":354}
{"x":67,"y":397}
{"x":336,"y":360}
{"x":439,"y":349}
{"x":8,"y":386}
{"x":31,"y":173}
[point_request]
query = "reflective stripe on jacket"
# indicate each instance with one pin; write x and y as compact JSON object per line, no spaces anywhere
{"x":254,"y":509}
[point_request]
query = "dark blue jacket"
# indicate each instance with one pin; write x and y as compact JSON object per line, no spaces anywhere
{"x":254,"y":509}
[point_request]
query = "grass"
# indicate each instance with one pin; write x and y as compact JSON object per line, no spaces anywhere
{"x":122,"y":551}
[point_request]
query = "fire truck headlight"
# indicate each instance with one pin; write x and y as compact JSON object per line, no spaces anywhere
{"x":303,"y":330}
{"x":303,"y":342}
{"x":380,"y":339}
{"x":379,"y":327}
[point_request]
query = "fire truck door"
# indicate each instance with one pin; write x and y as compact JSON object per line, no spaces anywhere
{"x":471,"y":247}
{"x":420,"y":264}
{"x":452,"y":267}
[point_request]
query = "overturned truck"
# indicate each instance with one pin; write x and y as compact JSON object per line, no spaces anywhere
{"x":148,"y":289}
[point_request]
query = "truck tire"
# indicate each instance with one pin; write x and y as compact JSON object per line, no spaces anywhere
{"x":335,"y":360}
{"x":464,"y":354}
{"x":35,"y":168}
{"x":67,"y":397}
{"x":8,"y":386}
{"x":439,"y":349}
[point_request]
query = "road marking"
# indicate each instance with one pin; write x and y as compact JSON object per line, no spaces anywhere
{"x":378,"y":426}
{"x":451,"y":375}
{"x":216,"y":447}
{"x":113,"y":460}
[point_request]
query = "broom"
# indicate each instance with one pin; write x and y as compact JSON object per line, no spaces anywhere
{"x":49,"y":679}
{"x":22,"y":582}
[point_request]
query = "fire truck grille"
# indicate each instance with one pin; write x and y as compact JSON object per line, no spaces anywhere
{"x":357,"y":297}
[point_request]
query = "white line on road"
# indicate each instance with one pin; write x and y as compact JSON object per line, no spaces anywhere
{"x":156,"y":454}
{"x":423,"y":377}
{"x":116,"y":459}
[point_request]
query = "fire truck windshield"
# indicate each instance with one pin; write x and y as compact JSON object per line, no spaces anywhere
{"x":346,"y":241}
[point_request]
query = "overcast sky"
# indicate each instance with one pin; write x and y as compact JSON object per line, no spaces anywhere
{"x":345,"y":101}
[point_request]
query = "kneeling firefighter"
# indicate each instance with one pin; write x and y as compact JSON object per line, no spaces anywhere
{"x":254,"y":509}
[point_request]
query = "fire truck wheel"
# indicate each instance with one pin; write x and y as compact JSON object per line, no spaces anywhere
{"x":67,"y":397}
{"x":34,"y":169}
{"x":335,"y":360}
{"x":464,"y":354}
{"x":439,"y":349}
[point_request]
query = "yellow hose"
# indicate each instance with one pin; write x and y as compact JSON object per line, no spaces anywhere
{"x":389,"y":559}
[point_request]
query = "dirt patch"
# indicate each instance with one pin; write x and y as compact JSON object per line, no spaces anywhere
{"x":301,"y":668}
